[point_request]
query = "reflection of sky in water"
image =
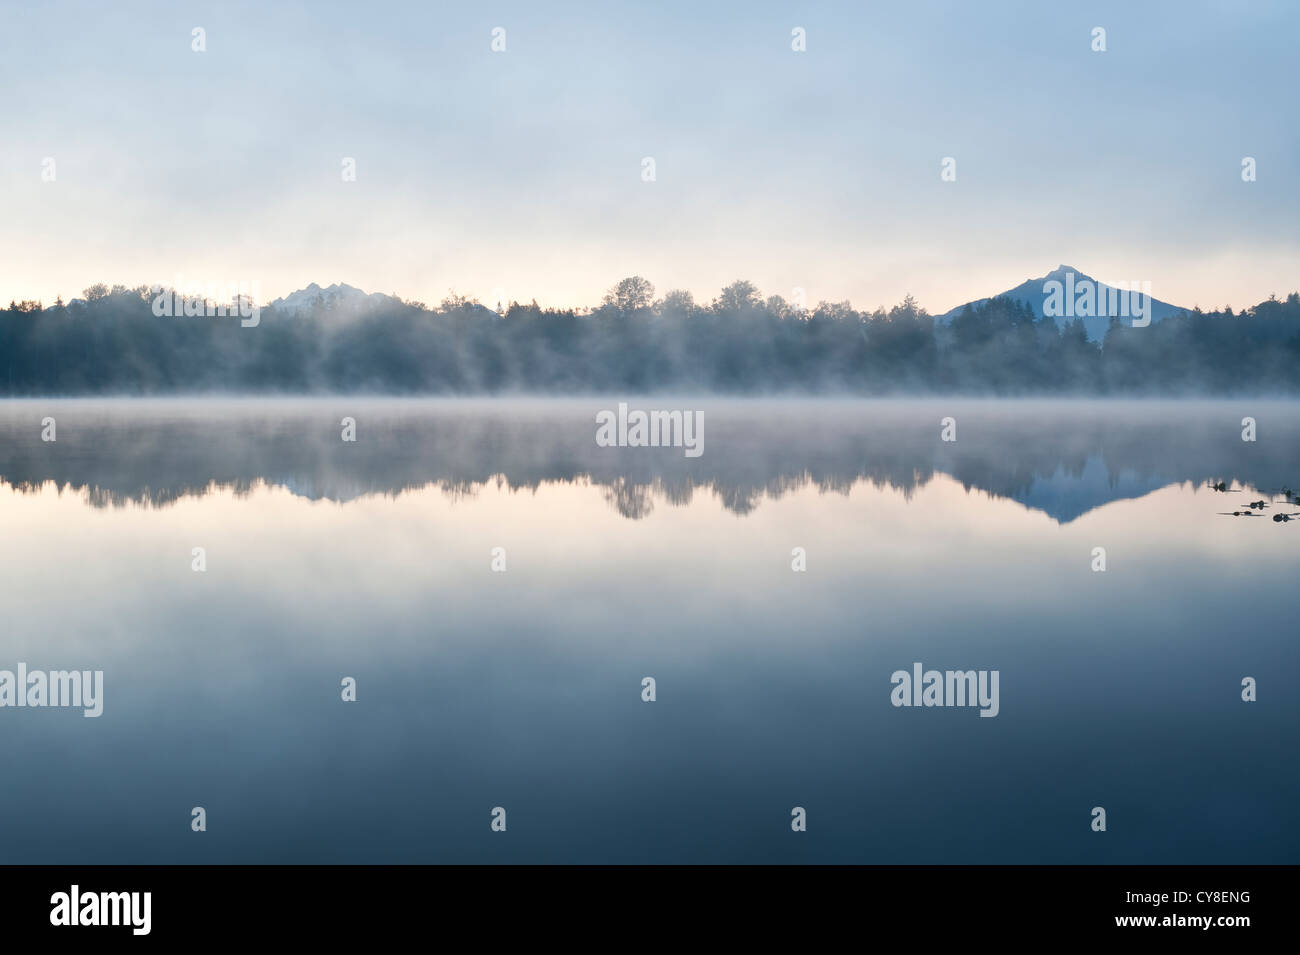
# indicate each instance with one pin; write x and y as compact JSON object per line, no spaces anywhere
{"x":522,"y":689}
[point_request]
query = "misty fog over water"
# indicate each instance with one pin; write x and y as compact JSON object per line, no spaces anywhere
{"x":475,"y":688}
{"x":1062,"y":456}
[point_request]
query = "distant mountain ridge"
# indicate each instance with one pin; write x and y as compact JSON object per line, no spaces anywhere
{"x":1035,"y":293}
{"x":340,"y":297}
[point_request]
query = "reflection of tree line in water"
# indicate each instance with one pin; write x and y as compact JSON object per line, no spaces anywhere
{"x":758,"y":451}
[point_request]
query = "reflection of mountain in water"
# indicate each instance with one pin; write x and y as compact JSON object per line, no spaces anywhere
{"x":1062,"y":458}
{"x":1066,"y":496}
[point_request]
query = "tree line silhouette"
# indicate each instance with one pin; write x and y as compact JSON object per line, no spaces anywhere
{"x":742,"y":343}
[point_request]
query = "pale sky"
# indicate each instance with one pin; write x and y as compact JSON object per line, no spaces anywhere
{"x":521,"y":170}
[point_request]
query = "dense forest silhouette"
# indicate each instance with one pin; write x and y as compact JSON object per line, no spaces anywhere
{"x":112,"y":342}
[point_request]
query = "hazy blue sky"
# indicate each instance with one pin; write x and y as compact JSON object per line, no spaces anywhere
{"x":521,"y":170}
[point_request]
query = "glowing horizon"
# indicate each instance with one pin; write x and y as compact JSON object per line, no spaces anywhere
{"x":522,"y":169}
{"x":591,"y":299}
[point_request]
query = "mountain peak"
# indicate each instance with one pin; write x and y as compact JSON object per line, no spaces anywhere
{"x":339,"y":297}
{"x":1034,"y":294}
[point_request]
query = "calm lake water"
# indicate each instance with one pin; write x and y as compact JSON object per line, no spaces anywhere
{"x":522,"y":689}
